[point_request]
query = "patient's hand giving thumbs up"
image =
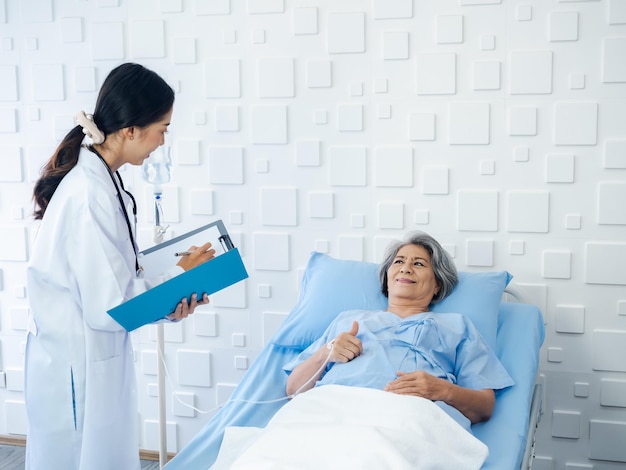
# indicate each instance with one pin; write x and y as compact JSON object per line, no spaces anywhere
{"x":347,"y":346}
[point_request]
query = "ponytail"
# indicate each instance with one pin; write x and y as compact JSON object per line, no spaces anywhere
{"x":64,"y":159}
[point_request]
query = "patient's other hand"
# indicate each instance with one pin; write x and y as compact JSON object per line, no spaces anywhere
{"x":347,"y":346}
{"x":419,"y":383}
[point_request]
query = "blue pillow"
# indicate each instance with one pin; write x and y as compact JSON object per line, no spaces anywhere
{"x":331,"y":286}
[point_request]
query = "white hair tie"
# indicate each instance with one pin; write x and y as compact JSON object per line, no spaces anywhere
{"x":89,"y":127}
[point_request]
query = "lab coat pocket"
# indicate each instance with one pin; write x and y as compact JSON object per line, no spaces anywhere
{"x":107,"y":344}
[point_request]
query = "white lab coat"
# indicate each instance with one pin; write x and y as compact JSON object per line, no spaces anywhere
{"x":80,"y":381}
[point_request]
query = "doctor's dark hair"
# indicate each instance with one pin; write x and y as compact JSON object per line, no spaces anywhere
{"x":131,"y":95}
{"x":445,"y":271}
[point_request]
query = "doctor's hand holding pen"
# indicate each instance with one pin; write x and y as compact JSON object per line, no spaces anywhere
{"x":195,"y":256}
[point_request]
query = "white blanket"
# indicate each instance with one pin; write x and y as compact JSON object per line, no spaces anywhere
{"x":339,"y":427}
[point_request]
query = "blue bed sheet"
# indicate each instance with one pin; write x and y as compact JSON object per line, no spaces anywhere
{"x":520,"y":336}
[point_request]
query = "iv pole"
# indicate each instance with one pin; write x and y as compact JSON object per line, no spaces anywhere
{"x":156,"y":170}
{"x":159,"y":231}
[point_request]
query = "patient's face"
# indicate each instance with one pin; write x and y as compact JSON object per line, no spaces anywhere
{"x":411,"y":277}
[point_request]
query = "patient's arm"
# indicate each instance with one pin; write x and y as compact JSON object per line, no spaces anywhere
{"x":476,"y":405}
{"x":345,"y":347}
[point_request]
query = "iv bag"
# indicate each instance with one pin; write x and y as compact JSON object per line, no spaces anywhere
{"x":157,"y":168}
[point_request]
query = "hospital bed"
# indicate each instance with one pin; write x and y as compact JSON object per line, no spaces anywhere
{"x":329,"y":286}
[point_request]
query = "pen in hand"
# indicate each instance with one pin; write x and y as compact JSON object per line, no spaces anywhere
{"x":182,"y":253}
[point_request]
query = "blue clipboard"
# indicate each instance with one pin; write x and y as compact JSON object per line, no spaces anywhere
{"x":224,"y":270}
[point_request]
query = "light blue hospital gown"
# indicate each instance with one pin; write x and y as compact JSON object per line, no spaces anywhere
{"x":446,"y":345}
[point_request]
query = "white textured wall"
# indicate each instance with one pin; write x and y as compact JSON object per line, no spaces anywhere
{"x":498,"y":126}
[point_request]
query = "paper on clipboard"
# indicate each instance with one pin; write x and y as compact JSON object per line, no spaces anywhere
{"x":159,"y":258}
{"x":224,"y":270}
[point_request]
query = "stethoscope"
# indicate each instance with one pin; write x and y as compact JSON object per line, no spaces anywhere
{"x":138,"y":268}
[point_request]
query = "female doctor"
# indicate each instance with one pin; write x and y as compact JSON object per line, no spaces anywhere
{"x":80,"y":381}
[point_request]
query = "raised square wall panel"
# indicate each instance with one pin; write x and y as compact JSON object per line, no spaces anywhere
{"x":348,"y":166}
{"x":346,"y":32}
{"x":319,"y":73}
{"x":234,"y":296}
{"x":270,"y":323}
{"x":279,"y":206}
{"x":48,"y":82}
{"x":617,"y":12}
{"x":36,"y":11}
{"x":421,"y":126}
{"x":469,"y":123}
{"x":613,"y":392}
{"x":609,"y":350}
{"x":85,"y":79}
{"x":214,"y":7}
{"x":12,"y":164}
{"x":107,"y":41}
{"x":147,"y":39}
{"x":559,"y":168}
{"x":8,"y":78}
{"x":435,"y":180}
{"x":486,"y":75}
{"x":393,"y":166}
{"x":183,"y":404}
{"x":392,"y":9}
{"x":194,"y":368}
{"x":226,"y":165}
{"x":576,"y":123}
{"x":201,"y":202}
{"x":606,"y":440}
{"x":184,"y":51}
{"x":611,"y":203}
{"x":15,"y":418}
{"x":152,"y":437}
{"x":436,"y":74}
{"x":257,"y":7}
{"x":391,"y":215}
{"x":308,"y":153}
{"x":271,"y":251}
{"x":8,"y":120}
{"x":227,"y":118}
{"x":269,"y":124}
{"x":563,"y":26}
{"x":528,"y":211}
{"x":477,"y":211}
{"x":613,"y":63}
{"x":204,"y":323}
{"x":222,"y":78}
{"x":275,"y":77}
{"x":449,"y":29}
{"x":351,"y":247}
{"x":304,"y":20}
{"x":615,"y":154}
{"x":349,"y":117}
{"x":570,"y":319}
{"x":14,"y":243}
{"x":523,"y":120}
{"x":605,"y":263}
{"x":556,"y":264}
{"x":540,"y":81}
{"x":321,"y":204}
{"x":566,"y":424}
{"x":479,"y":253}
{"x":395,"y":45}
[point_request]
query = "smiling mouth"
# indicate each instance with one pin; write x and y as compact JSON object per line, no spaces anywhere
{"x":404,"y":280}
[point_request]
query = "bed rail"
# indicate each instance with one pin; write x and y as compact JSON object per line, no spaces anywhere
{"x":535,"y":417}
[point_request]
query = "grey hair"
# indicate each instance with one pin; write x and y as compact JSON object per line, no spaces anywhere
{"x":445,"y":271}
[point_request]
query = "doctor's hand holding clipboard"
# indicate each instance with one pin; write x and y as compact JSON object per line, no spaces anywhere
{"x":189,"y":259}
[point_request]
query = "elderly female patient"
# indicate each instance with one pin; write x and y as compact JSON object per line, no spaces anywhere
{"x":407,"y":349}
